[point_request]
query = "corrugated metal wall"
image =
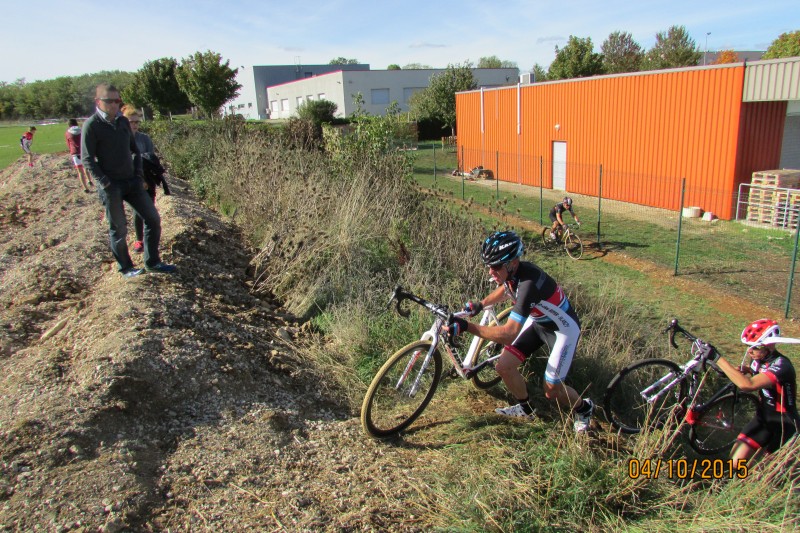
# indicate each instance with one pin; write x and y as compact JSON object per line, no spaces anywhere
{"x":647,"y":130}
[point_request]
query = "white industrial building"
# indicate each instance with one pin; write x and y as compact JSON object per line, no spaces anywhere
{"x":277,"y":91}
{"x":252,"y":102}
{"x":379,"y":88}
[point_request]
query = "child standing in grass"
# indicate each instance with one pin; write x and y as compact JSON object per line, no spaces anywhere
{"x":25,"y":141}
{"x":73,"y":138}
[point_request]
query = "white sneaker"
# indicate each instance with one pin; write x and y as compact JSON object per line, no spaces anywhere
{"x":515,"y":411}
{"x":552,"y":236}
{"x":582,"y":420}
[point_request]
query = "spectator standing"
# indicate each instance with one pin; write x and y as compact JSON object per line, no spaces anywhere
{"x":26,"y":141}
{"x":148,"y":151}
{"x":112,"y":159}
{"x":73,"y":138}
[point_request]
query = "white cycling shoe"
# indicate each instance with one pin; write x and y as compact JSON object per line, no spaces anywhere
{"x":515,"y":411}
{"x":582,"y":420}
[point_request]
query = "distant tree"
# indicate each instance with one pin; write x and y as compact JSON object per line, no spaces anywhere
{"x":156,"y":85}
{"x":207,"y":81}
{"x":438,"y":100}
{"x":726,"y":56}
{"x":576,"y":60}
{"x":416,"y":66}
{"x":621,"y":53}
{"x":495,"y":62}
{"x":393,"y":66}
{"x":539,"y":73}
{"x":787,"y":45}
{"x":672,"y":49}
{"x":343,"y":61}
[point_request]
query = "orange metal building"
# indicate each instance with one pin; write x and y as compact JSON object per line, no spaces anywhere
{"x":643,"y":133}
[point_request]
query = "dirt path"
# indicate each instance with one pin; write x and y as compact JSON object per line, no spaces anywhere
{"x":164,"y":401}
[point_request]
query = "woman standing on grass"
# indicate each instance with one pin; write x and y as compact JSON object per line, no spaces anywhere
{"x":148,"y":151}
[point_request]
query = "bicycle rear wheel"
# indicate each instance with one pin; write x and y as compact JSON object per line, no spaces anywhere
{"x":573,"y":245}
{"x":645,"y":395}
{"x":721,"y":421}
{"x":401,"y":390}
{"x":487,"y":377}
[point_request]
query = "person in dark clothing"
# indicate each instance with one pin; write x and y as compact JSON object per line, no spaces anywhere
{"x":112,"y":159}
{"x":153,"y":171}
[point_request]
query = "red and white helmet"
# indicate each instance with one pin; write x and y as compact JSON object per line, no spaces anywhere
{"x":760,"y":331}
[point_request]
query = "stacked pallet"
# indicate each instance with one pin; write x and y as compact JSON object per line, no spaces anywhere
{"x":775,"y":198}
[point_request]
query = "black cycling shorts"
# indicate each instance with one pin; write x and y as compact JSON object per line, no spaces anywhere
{"x":769,"y":435}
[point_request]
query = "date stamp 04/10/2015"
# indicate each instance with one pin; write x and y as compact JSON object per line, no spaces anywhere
{"x":687,"y":468}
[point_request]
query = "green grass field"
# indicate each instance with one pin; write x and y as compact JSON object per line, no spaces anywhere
{"x":49,"y":139}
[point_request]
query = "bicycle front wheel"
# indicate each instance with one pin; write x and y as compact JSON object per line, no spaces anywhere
{"x":717,"y":427}
{"x":573,"y":245}
{"x":547,"y":240}
{"x":487,"y":377}
{"x":401,"y":390}
{"x":645,"y":395}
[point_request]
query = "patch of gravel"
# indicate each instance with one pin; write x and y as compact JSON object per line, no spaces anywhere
{"x":164,"y":402}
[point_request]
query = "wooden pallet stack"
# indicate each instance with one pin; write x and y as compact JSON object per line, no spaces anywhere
{"x":775,"y":198}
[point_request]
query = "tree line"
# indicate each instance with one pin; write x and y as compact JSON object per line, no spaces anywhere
{"x":161,"y":87}
{"x":620,"y":53}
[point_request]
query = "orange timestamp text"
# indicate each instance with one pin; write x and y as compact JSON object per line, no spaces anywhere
{"x":687,"y":468}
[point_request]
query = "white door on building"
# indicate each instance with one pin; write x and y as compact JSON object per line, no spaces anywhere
{"x":560,"y":165}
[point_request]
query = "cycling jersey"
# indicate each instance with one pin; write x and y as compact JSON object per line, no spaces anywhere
{"x":559,"y":208}
{"x":777,"y":418}
{"x":543,"y":309}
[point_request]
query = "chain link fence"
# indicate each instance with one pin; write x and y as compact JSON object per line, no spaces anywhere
{"x":753,"y":256}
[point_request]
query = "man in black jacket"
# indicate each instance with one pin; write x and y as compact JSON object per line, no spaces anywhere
{"x":107,"y":145}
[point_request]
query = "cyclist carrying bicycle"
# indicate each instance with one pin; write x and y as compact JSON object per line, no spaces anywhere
{"x":773,"y":375}
{"x":541,"y":314}
{"x":556,"y":215}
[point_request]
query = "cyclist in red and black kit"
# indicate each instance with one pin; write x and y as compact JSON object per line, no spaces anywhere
{"x":773,"y":375}
{"x":541,"y":314}
{"x":557,"y":213}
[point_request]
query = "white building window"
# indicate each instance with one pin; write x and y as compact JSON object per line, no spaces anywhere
{"x":380,"y":96}
{"x":309,"y":97}
{"x":408,"y":91}
{"x":284,"y":104}
{"x":299,"y":100}
{"x":273,"y":105}
{"x":322,"y":96}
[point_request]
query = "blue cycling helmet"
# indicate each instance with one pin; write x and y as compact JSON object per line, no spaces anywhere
{"x":501,"y":247}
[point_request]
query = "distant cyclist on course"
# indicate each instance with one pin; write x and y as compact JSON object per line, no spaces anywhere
{"x":556,"y":215}
{"x":541,"y":315}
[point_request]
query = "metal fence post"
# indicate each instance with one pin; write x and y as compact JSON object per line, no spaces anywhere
{"x":434,"y":165}
{"x":599,"y":200}
{"x":496,"y":178}
{"x":541,"y":191}
{"x":680,"y":221}
{"x":791,"y":272}
{"x":461,"y":165}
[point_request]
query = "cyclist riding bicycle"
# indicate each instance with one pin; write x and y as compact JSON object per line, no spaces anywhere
{"x":541,"y":314}
{"x":773,"y":375}
{"x":556,"y":215}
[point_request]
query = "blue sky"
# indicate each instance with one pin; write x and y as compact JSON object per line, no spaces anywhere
{"x":45,"y":39}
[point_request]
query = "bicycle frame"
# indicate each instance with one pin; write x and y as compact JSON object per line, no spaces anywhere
{"x":464,"y":368}
{"x":689,"y":372}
